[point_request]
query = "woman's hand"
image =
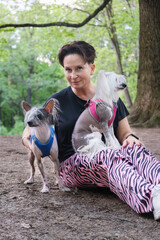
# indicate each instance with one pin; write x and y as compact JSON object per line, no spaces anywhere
{"x":131,"y":141}
{"x":124,"y":134}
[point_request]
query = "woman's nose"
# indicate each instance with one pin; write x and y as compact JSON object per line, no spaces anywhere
{"x":73,"y":75}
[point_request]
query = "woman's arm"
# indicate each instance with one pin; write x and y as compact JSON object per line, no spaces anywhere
{"x":123,"y":134}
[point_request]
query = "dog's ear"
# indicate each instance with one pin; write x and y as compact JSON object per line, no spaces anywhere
{"x":49,"y":106}
{"x":25,"y":106}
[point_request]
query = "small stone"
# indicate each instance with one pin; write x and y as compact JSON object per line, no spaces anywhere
{"x":25,"y":225}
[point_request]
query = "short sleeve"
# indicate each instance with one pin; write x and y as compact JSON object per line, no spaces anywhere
{"x":121,"y":113}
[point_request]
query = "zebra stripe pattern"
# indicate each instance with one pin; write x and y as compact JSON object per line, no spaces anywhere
{"x":130,"y":173}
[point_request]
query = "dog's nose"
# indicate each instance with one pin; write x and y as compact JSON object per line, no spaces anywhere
{"x":124,"y":85}
{"x":30,"y":123}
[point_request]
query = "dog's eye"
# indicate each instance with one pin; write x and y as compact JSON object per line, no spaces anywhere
{"x":40,"y":116}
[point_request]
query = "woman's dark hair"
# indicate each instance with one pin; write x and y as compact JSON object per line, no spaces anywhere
{"x":82,"y":48}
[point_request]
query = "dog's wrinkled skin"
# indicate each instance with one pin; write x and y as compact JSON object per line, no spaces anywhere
{"x":87,"y":134}
{"x":38,"y":120}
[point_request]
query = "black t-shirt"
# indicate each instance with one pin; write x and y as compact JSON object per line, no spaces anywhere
{"x":71,"y":107}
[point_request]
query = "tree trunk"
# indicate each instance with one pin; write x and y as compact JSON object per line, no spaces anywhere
{"x":114,"y":40}
{"x":146,"y":109}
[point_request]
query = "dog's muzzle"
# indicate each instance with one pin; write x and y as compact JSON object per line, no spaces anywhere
{"x":32,"y":124}
{"x":122,"y":86}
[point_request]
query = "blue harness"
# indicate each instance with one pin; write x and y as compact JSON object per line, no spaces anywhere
{"x":45,"y":148}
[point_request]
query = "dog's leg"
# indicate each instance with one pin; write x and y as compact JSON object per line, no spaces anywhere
{"x":31,"y":160}
{"x":105,"y":113}
{"x":45,"y":188}
{"x":114,"y":141}
{"x":106,"y":133}
{"x":111,"y":140}
{"x":54,"y":157}
{"x":55,"y":160}
{"x":56,"y":172}
{"x":55,"y":168}
{"x":62,"y":187}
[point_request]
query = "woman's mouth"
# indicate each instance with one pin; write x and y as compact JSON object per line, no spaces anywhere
{"x":75,"y":83}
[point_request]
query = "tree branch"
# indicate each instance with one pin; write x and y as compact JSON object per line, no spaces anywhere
{"x":65,"y":24}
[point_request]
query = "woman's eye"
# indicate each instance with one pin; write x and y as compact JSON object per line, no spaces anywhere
{"x":68,"y":70}
{"x":79,"y":67}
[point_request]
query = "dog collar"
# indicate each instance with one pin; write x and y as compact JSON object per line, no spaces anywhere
{"x":92,"y":110}
{"x":45,"y":148}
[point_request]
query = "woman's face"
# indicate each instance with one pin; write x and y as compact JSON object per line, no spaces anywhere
{"x":77,"y":72}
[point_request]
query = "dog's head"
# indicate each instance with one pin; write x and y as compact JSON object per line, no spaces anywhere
{"x":36,"y":116}
{"x":116,"y":81}
{"x":109,"y":84}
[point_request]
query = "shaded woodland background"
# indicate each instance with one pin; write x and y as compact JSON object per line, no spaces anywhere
{"x":125,"y":34}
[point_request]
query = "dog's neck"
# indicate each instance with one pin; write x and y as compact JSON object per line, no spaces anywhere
{"x":42,"y":133}
{"x":108,"y":99}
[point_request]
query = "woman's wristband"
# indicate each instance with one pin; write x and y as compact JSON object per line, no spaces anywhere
{"x":133,"y":135}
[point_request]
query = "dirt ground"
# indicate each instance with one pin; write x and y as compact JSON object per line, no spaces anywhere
{"x":27,"y":214}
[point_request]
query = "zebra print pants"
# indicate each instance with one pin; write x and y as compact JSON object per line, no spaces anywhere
{"x":130,"y":173}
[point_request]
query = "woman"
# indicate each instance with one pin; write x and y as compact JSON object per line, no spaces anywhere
{"x":132,"y":172}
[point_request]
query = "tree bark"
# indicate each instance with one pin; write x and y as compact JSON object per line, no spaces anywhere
{"x":146,"y":109}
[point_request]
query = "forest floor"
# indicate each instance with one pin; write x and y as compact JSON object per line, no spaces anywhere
{"x":27,"y":214}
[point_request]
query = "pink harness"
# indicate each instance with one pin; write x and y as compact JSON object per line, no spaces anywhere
{"x":92,"y":110}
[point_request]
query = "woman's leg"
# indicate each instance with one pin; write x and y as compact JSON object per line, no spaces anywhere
{"x":147,"y":165}
{"x":129,"y":186}
{"x":78,"y":171}
{"x":109,"y":169}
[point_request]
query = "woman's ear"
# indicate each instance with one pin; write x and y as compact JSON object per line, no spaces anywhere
{"x":92,"y":68}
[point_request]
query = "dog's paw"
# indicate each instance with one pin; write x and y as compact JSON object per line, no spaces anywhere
{"x":45,"y":189}
{"x":56,"y":182}
{"x":29,"y":181}
{"x":64,"y":189}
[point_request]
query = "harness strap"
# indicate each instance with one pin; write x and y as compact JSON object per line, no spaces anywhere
{"x":114,"y":114}
{"x":45,"y":148}
{"x":92,"y":110}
